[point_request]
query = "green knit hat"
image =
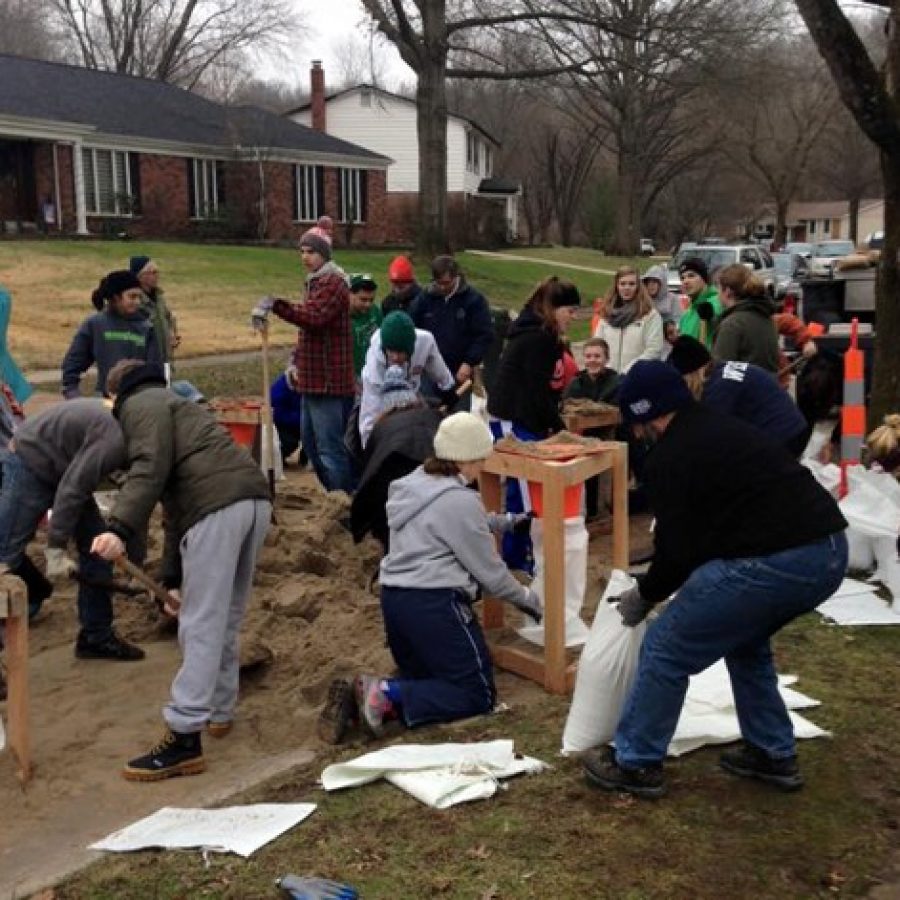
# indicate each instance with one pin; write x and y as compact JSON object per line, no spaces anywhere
{"x":398,"y":333}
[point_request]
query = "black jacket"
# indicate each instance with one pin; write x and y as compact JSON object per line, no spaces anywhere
{"x":522,"y":391}
{"x":721,"y":489}
{"x":746,"y":333}
{"x":604,"y":389}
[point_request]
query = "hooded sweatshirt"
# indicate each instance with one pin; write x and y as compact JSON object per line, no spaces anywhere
{"x":665,"y":302}
{"x":106,"y":338}
{"x":440,"y":539}
{"x":746,"y":333}
{"x":523,"y":386}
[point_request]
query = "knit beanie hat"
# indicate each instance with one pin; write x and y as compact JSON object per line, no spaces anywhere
{"x":114,"y":284}
{"x":651,"y":389}
{"x":463,"y":437}
{"x":566,"y":295}
{"x":696,"y":265}
{"x":362,"y":282}
{"x":318,"y":240}
{"x":688,"y":355}
{"x":137,"y":264}
{"x":396,"y":390}
{"x":401,"y":270}
{"x":398,"y":333}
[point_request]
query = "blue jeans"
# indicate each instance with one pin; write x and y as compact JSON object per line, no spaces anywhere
{"x":324,"y":422}
{"x":23,"y":502}
{"x":727,"y":608}
{"x":437,"y":643}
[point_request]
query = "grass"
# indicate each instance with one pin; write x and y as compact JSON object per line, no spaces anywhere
{"x":211,"y":288}
{"x":551,"y":836}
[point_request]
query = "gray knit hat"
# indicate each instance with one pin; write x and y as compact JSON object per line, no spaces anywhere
{"x":396,"y":391}
{"x":317,"y":239}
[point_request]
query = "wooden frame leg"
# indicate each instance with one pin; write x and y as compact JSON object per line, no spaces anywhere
{"x":620,"y":508}
{"x":554,"y":589}
{"x":490,"y":495}
{"x":14,"y":609}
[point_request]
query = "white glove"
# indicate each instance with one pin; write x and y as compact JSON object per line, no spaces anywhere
{"x":292,"y":376}
{"x":59,"y":564}
{"x":260,"y":314}
{"x":530,"y":604}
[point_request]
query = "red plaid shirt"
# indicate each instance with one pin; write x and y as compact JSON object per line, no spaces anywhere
{"x":324,"y":352}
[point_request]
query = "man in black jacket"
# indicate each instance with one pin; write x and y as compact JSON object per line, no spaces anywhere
{"x":747,"y":541}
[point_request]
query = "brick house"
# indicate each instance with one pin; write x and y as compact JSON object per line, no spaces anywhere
{"x":89,"y":152}
{"x":479,"y":203}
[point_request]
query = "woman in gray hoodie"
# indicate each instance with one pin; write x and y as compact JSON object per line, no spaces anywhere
{"x":442,"y":555}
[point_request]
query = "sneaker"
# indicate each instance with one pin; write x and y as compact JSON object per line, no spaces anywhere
{"x":340,"y":712}
{"x":602,"y":771}
{"x":372,"y":704}
{"x":110,"y":647}
{"x":176,"y":754}
{"x":220,"y":728}
{"x":749,"y":761}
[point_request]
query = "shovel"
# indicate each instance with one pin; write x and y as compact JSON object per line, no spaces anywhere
{"x":268,"y":424}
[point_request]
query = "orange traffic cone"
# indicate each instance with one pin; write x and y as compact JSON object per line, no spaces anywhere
{"x":853,"y":410}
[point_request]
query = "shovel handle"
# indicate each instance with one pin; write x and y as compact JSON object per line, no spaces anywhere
{"x":156,"y":589}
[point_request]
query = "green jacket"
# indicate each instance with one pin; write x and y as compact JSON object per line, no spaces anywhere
{"x":179,"y":454}
{"x":690,"y":322}
{"x":363,"y":325}
{"x":157,"y":311}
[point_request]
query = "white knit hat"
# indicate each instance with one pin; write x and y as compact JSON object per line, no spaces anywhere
{"x":463,"y":437}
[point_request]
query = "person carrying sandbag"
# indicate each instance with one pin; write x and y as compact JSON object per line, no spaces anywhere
{"x":747,"y":541}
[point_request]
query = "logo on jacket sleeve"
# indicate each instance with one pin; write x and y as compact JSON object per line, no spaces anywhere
{"x":639,"y":407}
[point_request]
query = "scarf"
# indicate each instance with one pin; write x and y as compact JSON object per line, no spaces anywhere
{"x":622,"y":314}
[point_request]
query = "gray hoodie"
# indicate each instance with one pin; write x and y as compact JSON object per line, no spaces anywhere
{"x":666,"y":303}
{"x":440,"y":539}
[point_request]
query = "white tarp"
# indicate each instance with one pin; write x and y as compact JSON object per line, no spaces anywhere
{"x":234,"y":829}
{"x":856,"y":603}
{"x":438,"y":775}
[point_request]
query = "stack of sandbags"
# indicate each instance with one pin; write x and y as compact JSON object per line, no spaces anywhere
{"x":852,"y":262}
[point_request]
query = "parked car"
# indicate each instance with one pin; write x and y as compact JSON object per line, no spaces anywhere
{"x":790,"y":270}
{"x":826,"y":253}
{"x":648,"y":248}
{"x":803,"y":249}
{"x":719,"y":255}
{"x":874,"y":240}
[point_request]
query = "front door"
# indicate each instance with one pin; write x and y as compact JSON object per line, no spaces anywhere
{"x":18,"y":196}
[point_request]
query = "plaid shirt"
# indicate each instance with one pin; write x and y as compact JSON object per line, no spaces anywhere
{"x":324,"y":352}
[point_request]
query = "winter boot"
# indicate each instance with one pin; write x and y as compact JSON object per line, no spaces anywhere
{"x":340,"y":712}
{"x":39,"y":588}
{"x":178,"y":753}
{"x":109,"y":647}
{"x":602,"y":771}
{"x":750,"y":761}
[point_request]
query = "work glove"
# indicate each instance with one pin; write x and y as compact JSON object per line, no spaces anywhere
{"x":304,"y":888}
{"x":172,"y":607}
{"x":633,"y":608}
{"x":59,"y":564}
{"x":292,"y":376}
{"x":706,"y":311}
{"x":530,"y":604}
{"x":259,"y":316}
{"x":510,"y":523}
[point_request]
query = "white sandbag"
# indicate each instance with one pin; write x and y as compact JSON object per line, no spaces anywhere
{"x":277,"y":462}
{"x":872,"y":504}
{"x":2,"y":734}
{"x":439,"y":775}
{"x":829,"y":476}
{"x":605,"y":673}
{"x":576,"y":544}
{"x":860,"y":550}
{"x":888,"y":566}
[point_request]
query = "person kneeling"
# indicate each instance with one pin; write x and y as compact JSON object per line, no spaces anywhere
{"x":442,"y":554}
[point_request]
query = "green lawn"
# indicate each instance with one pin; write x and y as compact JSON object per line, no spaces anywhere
{"x":210,"y":287}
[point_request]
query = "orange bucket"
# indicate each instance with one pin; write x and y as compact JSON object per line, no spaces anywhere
{"x":571,"y":499}
{"x":241,"y":433}
{"x":240,"y":417}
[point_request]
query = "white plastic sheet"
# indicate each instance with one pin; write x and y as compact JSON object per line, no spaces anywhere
{"x":439,"y":775}
{"x":605,"y":673}
{"x":856,"y":603}
{"x":234,"y":829}
{"x":828,"y":475}
{"x":576,"y":544}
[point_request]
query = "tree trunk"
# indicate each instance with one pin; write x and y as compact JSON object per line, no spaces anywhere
{"x":853,"y":219}
{"x":885,"y":396}
{"x":781,"y":210}
{"x":431,"y":109}
{"x":626,"y":231}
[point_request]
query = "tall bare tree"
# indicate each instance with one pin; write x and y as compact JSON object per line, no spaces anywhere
{"x":23,"y":29}
{"x":872,"y":94}
{"x":178,"y":41}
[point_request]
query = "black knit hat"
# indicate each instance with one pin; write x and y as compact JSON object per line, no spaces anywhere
{"x":566,"y":295}
{"x":114,"y":284}
{"x":688,"y":355}
{"x":696,"y":265}
{"x":651,"y":389}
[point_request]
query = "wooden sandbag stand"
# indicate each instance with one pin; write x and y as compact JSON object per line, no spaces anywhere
{"x":551,"y":669}
{"x":14,"y":613}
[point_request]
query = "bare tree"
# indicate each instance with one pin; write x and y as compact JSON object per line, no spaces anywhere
{"x":178,"y":41}
{"x":360,"y":60}
{"x":23,"y":30}
{"x":872,"y":94}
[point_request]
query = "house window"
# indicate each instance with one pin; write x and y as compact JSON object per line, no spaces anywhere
{"x":353,"y":195}
{"x":826,"y":226}
{"x":111,"y":182}
{"x":476,"y":155}
{"x":365,"y":98}
{"x":206,"y":187}
{"x":309,"y":191}
{"x":812,"y":226}
{"x":488,"y":161}
{"x":470,"y":151}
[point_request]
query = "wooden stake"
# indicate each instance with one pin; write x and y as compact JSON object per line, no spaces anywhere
{"x":268,"y":423}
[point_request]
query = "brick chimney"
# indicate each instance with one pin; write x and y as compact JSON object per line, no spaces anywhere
{"x":317,"y":92}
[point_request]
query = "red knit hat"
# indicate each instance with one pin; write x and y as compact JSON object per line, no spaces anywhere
{"x":401,"y":269}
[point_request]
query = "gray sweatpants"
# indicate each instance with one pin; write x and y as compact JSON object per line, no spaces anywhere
{"x":218,"y":556}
